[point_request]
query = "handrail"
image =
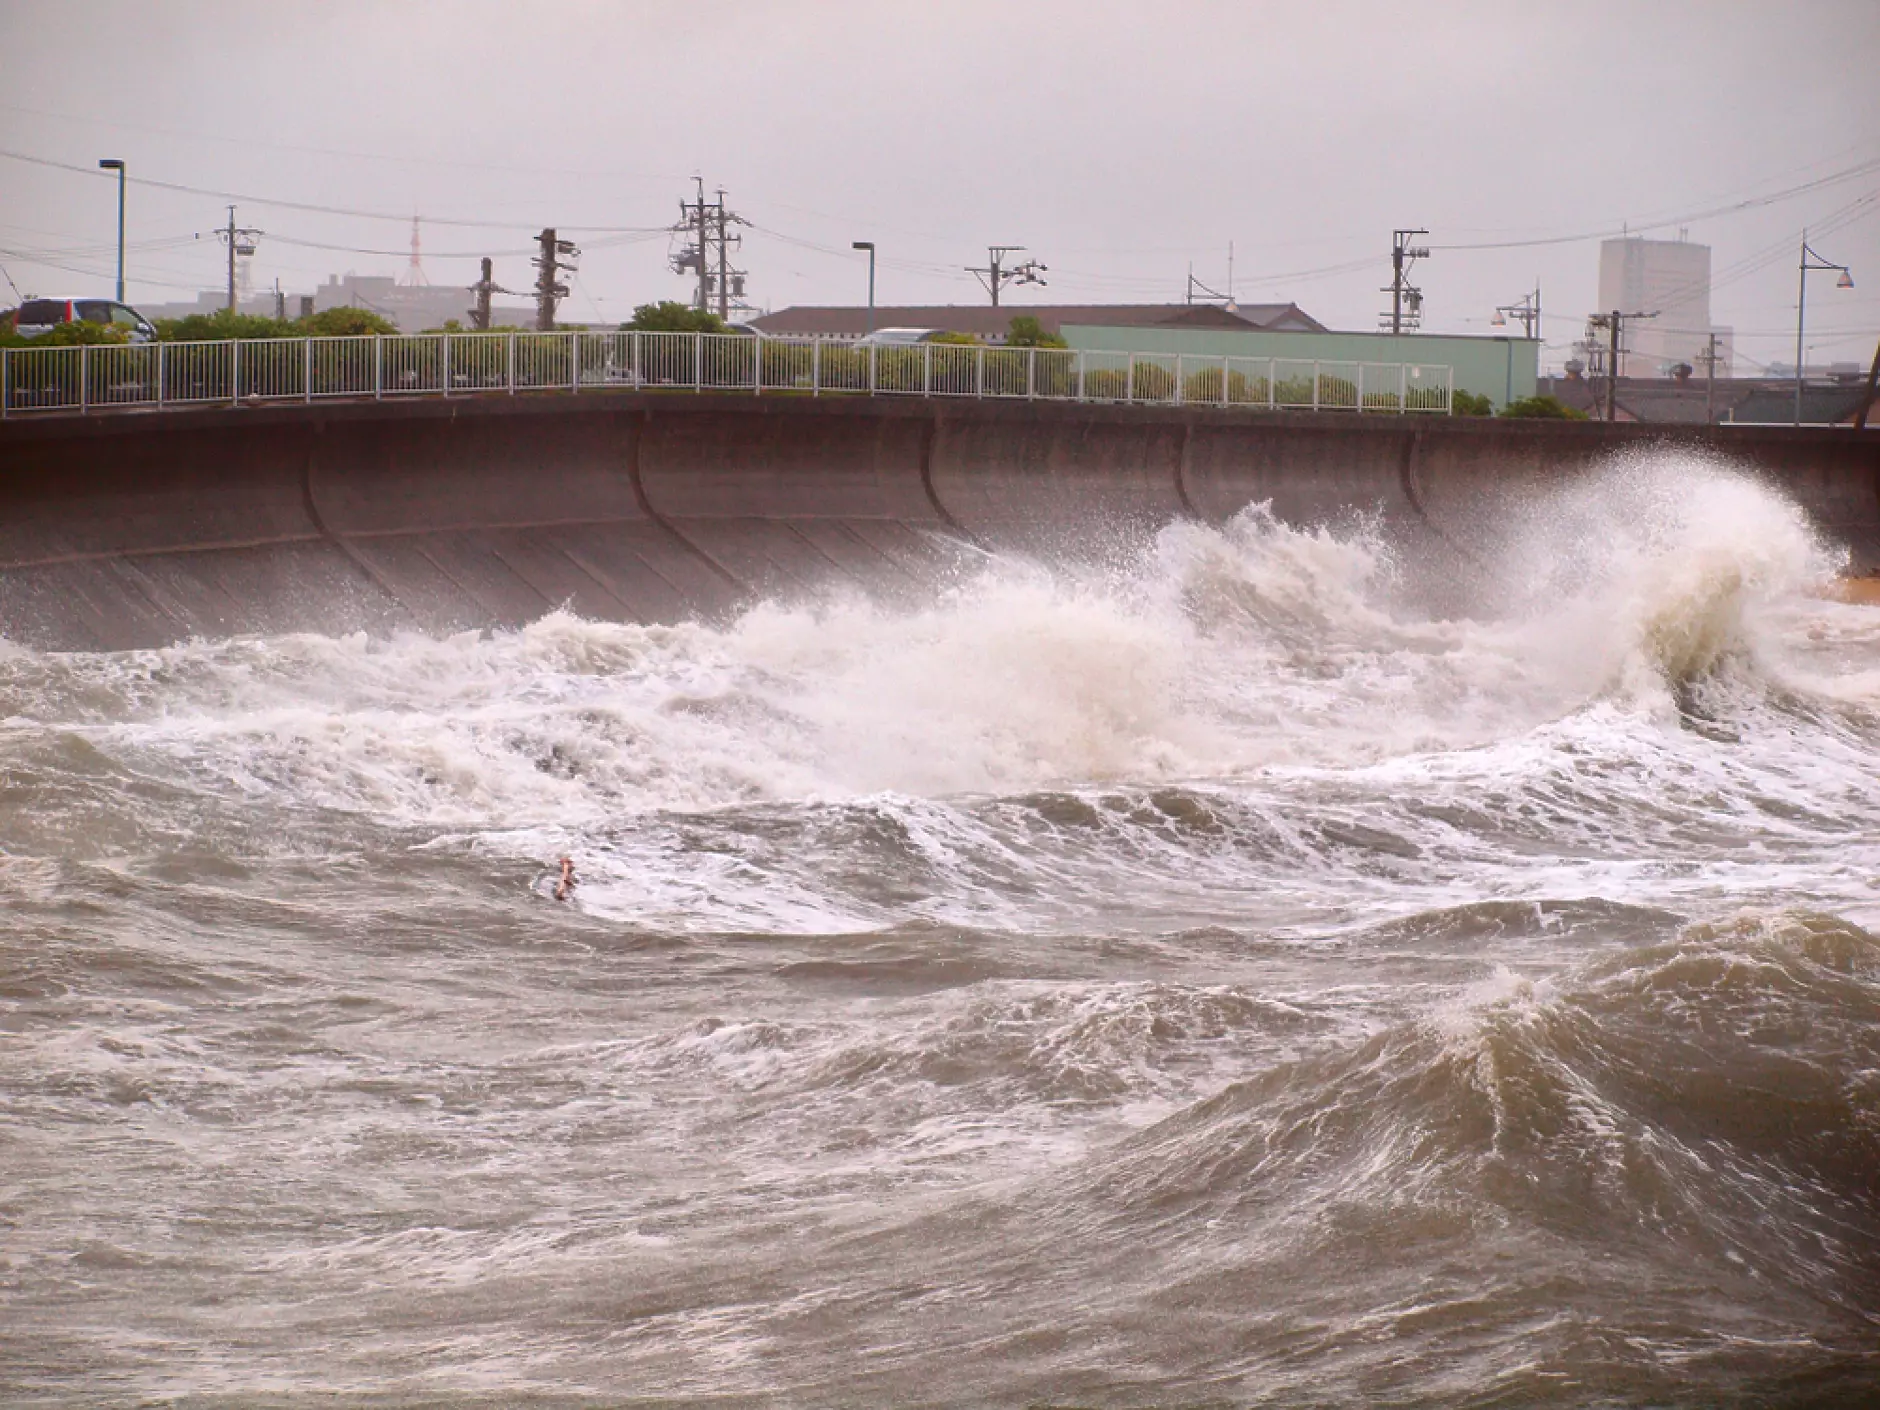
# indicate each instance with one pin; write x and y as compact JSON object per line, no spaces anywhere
{"x":111,"y":377}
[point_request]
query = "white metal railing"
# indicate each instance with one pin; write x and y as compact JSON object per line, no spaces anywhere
{"x":112,"y":377}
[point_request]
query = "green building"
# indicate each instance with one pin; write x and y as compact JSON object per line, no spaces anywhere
{"x":1501,"y":369}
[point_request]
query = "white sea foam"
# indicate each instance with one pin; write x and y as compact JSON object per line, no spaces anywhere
{"x":1254,"y":660}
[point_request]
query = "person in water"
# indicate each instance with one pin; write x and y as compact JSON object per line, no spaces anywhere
{"x":564,"y":889}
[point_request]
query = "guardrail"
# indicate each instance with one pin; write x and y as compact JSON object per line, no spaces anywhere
{"x":163,"y":376}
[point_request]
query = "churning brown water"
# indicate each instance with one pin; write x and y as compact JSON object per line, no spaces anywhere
{"x":1209,"y":978}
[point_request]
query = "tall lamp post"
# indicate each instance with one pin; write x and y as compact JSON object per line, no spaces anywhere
{"x":869,"y":245}
{"x":1810,"y":260}
{"x":115,"y":164}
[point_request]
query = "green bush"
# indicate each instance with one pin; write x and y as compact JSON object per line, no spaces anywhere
{"x":1463,"y":403}
{"x":223,"y":326}
{"x":342,"y":323}
{"x":1542,"y":408}
{"x":670,"y":316}
{"x":66,"y":335}
{"x":1027,"y":332}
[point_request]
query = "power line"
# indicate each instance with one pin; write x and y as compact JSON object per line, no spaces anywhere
{"x":308,"y":206}
{"x":1688,"y":218}
{"x":587,"y":174}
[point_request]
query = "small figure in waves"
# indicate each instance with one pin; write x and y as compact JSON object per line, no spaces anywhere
{"x":564,"y":889}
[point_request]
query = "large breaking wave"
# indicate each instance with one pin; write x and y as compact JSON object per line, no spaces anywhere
{"x":1207,"y":974}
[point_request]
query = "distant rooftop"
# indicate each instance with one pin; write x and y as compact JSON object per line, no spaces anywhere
{"x":992,"y":323}
{"x":1671,"y":401}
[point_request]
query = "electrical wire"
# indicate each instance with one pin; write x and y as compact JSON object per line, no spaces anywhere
{"x":1688,"y":218}
{"x":312,"y":207}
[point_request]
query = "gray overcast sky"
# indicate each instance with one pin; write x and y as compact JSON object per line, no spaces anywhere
{"x":1118,"y":141}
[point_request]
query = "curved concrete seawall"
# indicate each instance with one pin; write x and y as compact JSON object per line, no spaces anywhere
{"x":139,"y":530}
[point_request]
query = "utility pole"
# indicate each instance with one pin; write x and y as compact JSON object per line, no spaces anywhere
{"x":1402,"y":256}
{"x":548,"y":286}
{"x":993,"y":276}
{"x":240,"y":242}
{"x":1614,"y":324}
{"x":1710,"y":379}
{"x":704,"y":274}
{"x":708,"y":227}
{"x":1528,"y":310}
{"x":483,"y":288}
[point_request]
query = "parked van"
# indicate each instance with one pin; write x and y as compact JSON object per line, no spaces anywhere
{"x":37,"y":316}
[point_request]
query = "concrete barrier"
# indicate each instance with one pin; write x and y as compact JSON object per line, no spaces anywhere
{"x":140,"y":530}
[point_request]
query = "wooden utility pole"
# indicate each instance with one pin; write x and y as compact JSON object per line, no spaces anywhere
{"x":1614,"y":324}
{"x":1710,"y":380}
{"x":548,"y":286}
{"x":483,"y":288}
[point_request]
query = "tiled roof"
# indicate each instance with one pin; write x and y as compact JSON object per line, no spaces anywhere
{"x":989,"y":322}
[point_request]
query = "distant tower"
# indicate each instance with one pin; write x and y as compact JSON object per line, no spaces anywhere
{"x":414,"y":272}
{"x":1670,"y":278}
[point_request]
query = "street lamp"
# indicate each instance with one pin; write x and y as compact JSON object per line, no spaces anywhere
{"x":114,"y":164}
{"x":869,"y":245}
{"x":1810,"y":260}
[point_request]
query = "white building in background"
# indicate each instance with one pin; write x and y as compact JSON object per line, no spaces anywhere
{"x":1670,"y":278}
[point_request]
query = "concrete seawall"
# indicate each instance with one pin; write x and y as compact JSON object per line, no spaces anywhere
{"x":139,"y":530}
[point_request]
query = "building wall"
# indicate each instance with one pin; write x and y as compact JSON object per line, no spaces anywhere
{"x":1501,"y":369}
{"x":1670,"y":278}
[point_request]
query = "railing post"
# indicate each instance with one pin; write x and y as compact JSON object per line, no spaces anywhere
{"x":1031,"y":374}
{"x":639,"y":363}
{"x":1316,"y":364}
{"x":926,"y":370}
{"x":163,"y":358}
{"x":235,"y":372}
{"x":1129,"y":381}
{"x":1080,"y":374}
{"x":306,"y":370}
{"x":1449,"y":390}
{"x":444,"y":363}
{"x":1181,"y":390}
{"x":1226,"y":388}
{"x":378,"y":366}
{"x":815,"y":368}
{"x":6,"y":385}
{"x":979,"y":372}
{"x":698,"y":362}
{"x":574,"y":361}
{"x":757,"y":369}
{"x":1403,"y":388}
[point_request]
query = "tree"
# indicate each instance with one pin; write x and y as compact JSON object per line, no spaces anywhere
{"x":345,"y":323}
{"x":670,"y":316}
{"x":1542,"y":408}
{"x":1027,"y":332}
{"x":1463,"y":403}
{"x":221,"y":326}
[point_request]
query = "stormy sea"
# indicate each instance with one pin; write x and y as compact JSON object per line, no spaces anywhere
{"x":1230,"y":969}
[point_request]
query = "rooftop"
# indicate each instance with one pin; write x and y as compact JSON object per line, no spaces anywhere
{"x":993,"y":323}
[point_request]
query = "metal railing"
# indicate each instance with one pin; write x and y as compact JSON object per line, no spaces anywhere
{"x":111,"y":377}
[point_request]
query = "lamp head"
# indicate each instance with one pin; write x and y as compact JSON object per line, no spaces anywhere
{"x":1498,"y":321}
{"x":111,"y":163}
{"x":863,"y":245}
{"x":1846,"y":281}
